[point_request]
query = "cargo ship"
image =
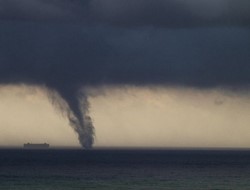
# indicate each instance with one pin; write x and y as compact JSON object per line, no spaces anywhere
{"x":36,"y":146}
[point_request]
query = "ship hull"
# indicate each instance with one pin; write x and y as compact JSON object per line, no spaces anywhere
{"x":36,"y":146}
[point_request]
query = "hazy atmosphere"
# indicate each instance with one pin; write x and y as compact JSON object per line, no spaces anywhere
{"x":131,"y":116}
{"x":125,"y":73}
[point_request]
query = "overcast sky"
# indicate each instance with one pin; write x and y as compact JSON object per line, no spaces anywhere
{"x":199,"y":46}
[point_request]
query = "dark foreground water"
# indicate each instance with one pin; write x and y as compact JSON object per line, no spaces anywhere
{"x":124,"y":169}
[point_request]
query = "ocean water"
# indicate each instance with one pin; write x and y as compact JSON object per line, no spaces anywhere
{"x":124,"y":169}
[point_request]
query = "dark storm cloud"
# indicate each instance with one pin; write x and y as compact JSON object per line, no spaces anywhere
{"x":93,"y":50}
{"x":39,"y":9}
{"x":170,"y":13}
{"x":66,"y":54}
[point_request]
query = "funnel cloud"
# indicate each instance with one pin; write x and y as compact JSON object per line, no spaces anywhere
{"x":68,"y":45}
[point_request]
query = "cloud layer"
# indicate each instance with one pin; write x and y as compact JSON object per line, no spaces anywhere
{"x":74,"y":55}
{"x":171,"y":13}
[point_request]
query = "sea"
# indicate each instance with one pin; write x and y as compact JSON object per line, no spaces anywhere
{"x":124,"y":169}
